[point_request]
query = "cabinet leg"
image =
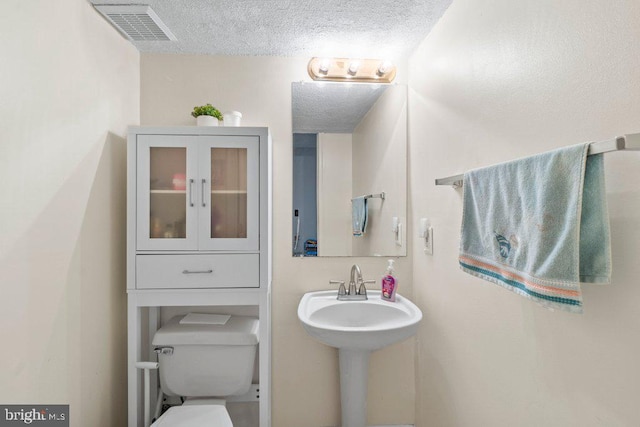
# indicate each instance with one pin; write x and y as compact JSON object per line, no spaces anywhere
{"x":134,"y":347}
{"x":265,"y":360}
{"x":154,"y":325}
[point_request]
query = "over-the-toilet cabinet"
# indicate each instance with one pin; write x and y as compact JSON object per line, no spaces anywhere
{"x":198,"y":208}
{"x":198,"y":238}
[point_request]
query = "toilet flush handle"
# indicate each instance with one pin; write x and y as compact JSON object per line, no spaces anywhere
{"x":168,"y":351}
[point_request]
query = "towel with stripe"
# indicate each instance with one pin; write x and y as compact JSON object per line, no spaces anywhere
{"x":539,"y":226}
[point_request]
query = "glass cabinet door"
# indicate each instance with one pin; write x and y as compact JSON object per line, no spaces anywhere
{"x":229,"y":178}
{"x":166,"y":193}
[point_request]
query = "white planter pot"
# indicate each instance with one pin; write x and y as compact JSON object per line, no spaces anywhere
{"x":206,"y":121}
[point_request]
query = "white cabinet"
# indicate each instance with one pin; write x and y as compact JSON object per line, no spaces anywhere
{"x":198,"y":235}
{"x":197,"y":192}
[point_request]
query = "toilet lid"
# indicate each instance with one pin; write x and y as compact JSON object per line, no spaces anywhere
{"x":195,"y":416}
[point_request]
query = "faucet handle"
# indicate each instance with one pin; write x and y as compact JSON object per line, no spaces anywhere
{"x":341,"y":289}
{"x":363,"y":289}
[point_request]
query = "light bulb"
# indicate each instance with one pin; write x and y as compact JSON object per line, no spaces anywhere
{"x":324,"y":67}
{"x":353,"y":68}
{"x":384,"y":68}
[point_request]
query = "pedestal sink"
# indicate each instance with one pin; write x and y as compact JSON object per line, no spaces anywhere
{"x":356,"y":328}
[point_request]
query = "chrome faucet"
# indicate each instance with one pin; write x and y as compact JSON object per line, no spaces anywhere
{"x":355,"y":271}
{"x":356,"y":290}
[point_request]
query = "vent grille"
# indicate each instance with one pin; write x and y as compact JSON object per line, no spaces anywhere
{"x":136,"y":22}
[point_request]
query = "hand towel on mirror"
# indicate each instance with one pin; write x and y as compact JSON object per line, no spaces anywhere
{"x":359,"y":215}
{"x":539,"y":226}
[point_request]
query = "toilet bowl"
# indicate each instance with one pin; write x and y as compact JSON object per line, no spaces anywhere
{"x":195,"y":416}
{"x":204,"y":363}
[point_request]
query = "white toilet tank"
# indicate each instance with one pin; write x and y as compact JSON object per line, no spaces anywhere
{"x":199,"y":359}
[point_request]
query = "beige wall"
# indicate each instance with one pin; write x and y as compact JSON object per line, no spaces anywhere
{"x":305,"y":373}
{"x":69,"y":87}
{"x":334,"y":194}
{"x":494,"y":81}
{"x":380,"y":164}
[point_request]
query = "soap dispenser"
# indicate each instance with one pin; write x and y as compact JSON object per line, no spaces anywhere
{"x":389,"y":284}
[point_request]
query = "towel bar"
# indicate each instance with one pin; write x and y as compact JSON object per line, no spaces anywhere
{"x":630,"y":142}
{"x":374,"y":196}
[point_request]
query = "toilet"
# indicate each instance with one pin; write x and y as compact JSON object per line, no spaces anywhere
{"x":204,"y":362}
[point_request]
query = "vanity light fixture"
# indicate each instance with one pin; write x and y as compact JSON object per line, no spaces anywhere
{"x":351,"y":70}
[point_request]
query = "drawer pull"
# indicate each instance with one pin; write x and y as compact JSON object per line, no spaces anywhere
{"x":197,"y":271}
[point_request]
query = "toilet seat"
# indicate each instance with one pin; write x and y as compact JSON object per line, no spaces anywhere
{"x":195,"y":416}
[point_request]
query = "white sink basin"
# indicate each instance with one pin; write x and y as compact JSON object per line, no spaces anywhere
{"x":358,"y":325}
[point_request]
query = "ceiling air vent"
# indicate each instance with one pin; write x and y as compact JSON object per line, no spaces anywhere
{"x":136,"y":22}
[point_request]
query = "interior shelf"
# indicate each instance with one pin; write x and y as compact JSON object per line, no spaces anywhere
{"x":212,"y":192}
{"x":168,"y":191}
{"x":228,"y":191}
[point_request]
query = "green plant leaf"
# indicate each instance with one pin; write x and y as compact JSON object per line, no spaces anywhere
{"x":206,"y":110}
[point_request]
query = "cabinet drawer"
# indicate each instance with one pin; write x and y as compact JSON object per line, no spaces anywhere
{"x":197,"y":271}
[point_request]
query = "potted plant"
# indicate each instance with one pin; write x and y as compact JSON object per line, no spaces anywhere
{"x":207,"y":115}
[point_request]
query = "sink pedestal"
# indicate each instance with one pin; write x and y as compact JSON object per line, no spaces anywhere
{"x":354,"y":372}
{"x":356,"y":328}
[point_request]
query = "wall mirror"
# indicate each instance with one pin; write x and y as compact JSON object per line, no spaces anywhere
{"x":349,"y":141}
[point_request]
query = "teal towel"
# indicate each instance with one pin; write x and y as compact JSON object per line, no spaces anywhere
{"x":539,"y":226}
{"x":359,"y":215}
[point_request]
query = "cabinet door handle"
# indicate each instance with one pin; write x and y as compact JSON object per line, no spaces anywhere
{"x":204,"y":182}
{"x":191,"y":192}
{"x":197,"y":271}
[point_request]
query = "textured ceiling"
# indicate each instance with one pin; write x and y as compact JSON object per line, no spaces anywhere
{"x":331,"y":107}
{"x":338,"y":28}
